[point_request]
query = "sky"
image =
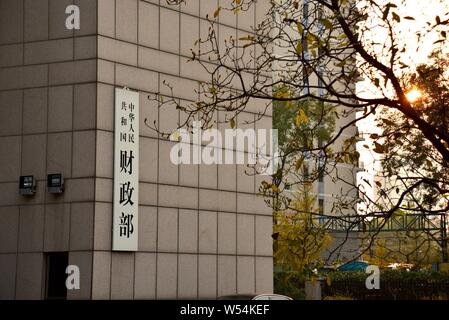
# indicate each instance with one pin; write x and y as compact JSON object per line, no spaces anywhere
{"x":422,"y":11}
{"x":416,"y":52}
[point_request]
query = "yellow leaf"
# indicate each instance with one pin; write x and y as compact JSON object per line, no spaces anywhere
{"x":217,"y":12}
{"x":310,"y":39}
{"x":326,"y":23}
{"x":275,"y":188}
{"x":282,"y":95}
{"x":299,"y":163}
{"x":396,"y":17}
{"x":176,"y":136}
{"x":378,"y":148}
{"x":300,"y":27}
{"x":247,"y":38}
{"x":301,"y":118}
{"x":299,"y":48}
{"x":232,"y":123}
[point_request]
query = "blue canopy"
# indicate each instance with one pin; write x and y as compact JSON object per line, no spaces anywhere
{"x":353,"y":266}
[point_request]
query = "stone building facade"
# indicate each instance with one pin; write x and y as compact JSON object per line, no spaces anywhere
{"x":203,"y":232}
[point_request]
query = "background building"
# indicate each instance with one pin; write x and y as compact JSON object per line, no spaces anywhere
{"x":202,"y":230}
{"x":338,"y":184}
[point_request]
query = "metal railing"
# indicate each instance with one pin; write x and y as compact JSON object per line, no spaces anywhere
{"x":407,"y":222}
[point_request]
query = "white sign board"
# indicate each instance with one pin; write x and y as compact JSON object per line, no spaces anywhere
{"x":126,"y":171}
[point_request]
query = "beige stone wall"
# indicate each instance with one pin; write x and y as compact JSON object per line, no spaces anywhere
{"x":47,"y":125}
{"x":202,"y":231}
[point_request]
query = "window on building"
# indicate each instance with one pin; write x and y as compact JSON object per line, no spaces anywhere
{"x":321,"y":210}
{"x":321,"y":205}
{"x":57,"y":263}
{"x":306,"y":172}
{"x":321,"y":161}
{"x":305,"y":22}
{"x":321,"y":176}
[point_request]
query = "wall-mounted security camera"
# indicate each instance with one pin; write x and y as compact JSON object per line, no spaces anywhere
{"x":55,"y":183}
{"x":27,"y":185}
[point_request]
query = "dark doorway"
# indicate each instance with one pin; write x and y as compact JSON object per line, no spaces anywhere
{"x":57,"y":263}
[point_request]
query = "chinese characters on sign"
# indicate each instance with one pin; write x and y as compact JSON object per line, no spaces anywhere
{"x":126,"y":170}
